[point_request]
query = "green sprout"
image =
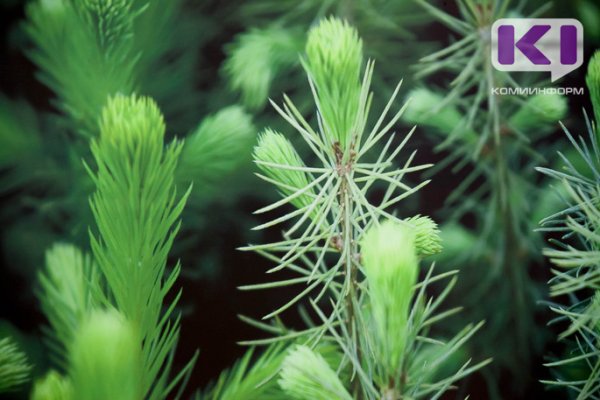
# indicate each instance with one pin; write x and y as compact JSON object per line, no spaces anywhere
{"x":105,"y":358}
{"x":305,"y":375}
{"x":333,"y":61}
{"x":283,"y":167}
{"x":391,"y":265}
{"x":52,"y":386}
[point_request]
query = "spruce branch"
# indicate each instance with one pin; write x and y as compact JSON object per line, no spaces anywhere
{"x":575,"y":255}
{"x":332,"y":215}
{"x":487,"y":137}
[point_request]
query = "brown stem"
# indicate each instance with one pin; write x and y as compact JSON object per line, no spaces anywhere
{"x":348,"y":250}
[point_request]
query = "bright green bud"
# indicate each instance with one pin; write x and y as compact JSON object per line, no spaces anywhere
{"x":256,"y":57}
{"x":593,"y":83}
{"x":216,"y":147}
{"x":305,"y":375}
{"x":128,"y":121}
{"x":53,"y":386}
{"x":67,"y":289}
{"x":105,"y":359}
{"x":422,"y":110}
{"x":390,"y":263}
{"x":53,"y":6}
{"x":14,"y":369}
{"x":539,"y":110}
{"x":334,"y":59}
{"x":427,"y":235}
{"x":274,"y":148}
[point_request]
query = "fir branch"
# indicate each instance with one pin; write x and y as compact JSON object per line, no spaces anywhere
{"x":14,"y":368}
{"x":84,"y":51}
{"x":136,"y":209}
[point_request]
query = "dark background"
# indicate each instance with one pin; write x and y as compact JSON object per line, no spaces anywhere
{"x":212,"y":302}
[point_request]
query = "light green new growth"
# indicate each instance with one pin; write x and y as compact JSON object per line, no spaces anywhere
{"x":334,"y":60}
{"x":14,"y":369}
{"x":70,"y":289}
{"x":256,"y":57}
{"x":390,"y":263}
{"x":427,"y":235}
{"x":593,"y":84}
{"x":52,"y":386}
{"x":254,"y":375}
{"x":136,"y":209}
{"x":305,"y":375}
{"x":132,"y":123}
{"x":105,"y":358}
{"x":282,"y":166}
{"x":539,"y":110}
{"x":216,"y":147}
{"x":421,"y":107}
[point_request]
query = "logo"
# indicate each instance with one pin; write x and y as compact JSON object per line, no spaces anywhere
{"x":537,"y":44}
